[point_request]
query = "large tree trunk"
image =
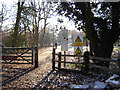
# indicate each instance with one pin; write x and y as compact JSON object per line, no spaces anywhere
{"x":105,"y":52}
{"x":43,"y":33}
{"x":16,"y":31}
{"x":102,"y":47}
{"x":90,"y":30}
{"x":115,"y":21}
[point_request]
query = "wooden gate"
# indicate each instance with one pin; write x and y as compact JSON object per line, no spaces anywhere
{"x":19,"y":55}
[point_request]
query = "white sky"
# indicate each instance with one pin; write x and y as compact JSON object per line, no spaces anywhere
{"x":8,"y":2}
{"x":53,"y":21}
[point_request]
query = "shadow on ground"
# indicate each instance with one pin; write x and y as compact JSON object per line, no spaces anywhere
{"x":62,"y":79}
{"x":10,"y":74}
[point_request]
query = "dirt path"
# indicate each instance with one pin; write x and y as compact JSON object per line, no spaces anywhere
{"x":30,"y":79}
{"x":55,"y":80}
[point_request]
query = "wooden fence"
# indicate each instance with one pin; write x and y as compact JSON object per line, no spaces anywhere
{"x":19,"y":56}
{"x":87,"y":64}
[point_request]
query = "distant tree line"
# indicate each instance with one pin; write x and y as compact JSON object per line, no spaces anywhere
{"x":30,"y":26}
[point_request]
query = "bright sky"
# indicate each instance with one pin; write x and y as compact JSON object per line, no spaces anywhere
{"x":53,"y":21}
{"x":68,"y":24}
{"x":8,"y":2}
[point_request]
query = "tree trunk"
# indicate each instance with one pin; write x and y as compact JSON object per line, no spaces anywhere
{"x":105,"y":52}
{"x":43,"y":32}
{"x":16,"y":31}
{"x":105,"y":48}
{"x":90,"y":30}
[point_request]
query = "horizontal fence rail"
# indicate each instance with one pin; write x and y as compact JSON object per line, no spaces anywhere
{"x":70,"y":55}
{"x":61,"y":61}
{"x":17,"y":62}
{"x":104,"y":59}
{"x":104,"y":68}
{"x":70,"y":62}
{"x":86,"y":61}
{"x":16,"y":48}
{"x":17,"y":55}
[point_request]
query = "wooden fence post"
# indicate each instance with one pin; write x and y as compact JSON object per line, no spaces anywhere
{"x":59,"y":60}
{"x":53,"y":59}
{"x":86,"y":60}
{"x":118,"y":61}
{"x":64,"y":58}
{"x":36,"y":57}
{"x":32,"y":56}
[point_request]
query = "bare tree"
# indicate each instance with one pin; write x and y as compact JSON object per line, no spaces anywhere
{"x":16,"y":28}
{"x":48,"y":11}
{"x":3,"y":13}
